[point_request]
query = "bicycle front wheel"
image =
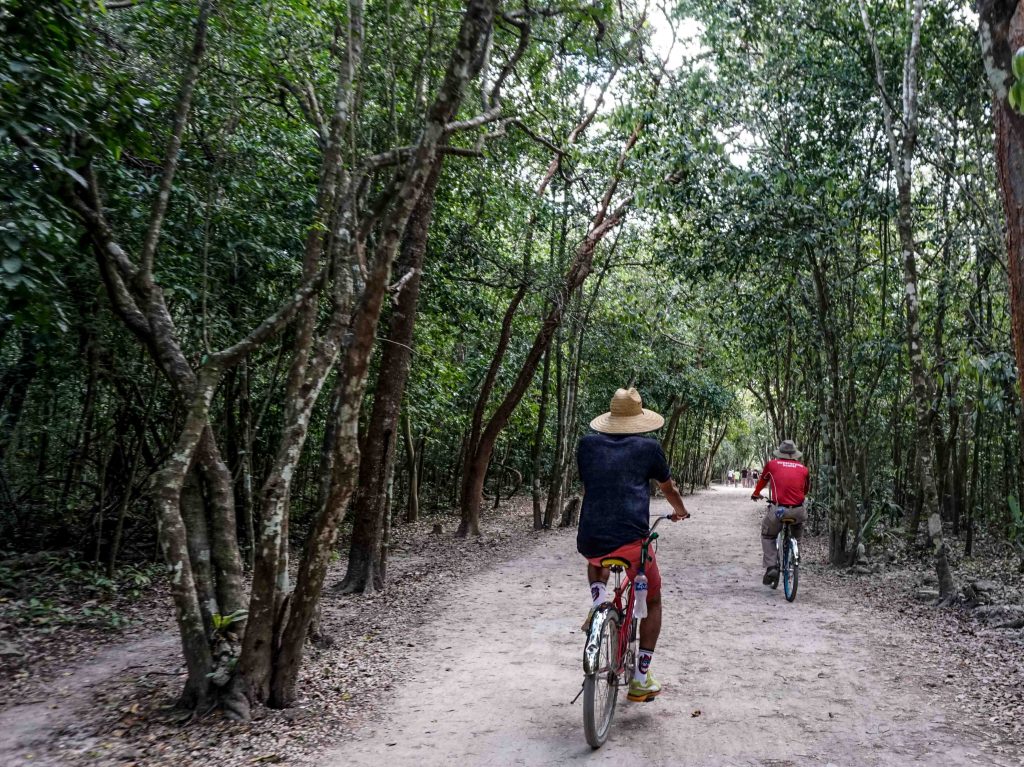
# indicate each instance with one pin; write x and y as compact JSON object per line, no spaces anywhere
{"x":601,"y":688}
{"x":790,"y":570}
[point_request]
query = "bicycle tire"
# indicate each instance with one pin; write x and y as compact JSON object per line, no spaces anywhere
{"x":598,"y":708}
{"x":790,"y":572}
{"x":778,"y":560}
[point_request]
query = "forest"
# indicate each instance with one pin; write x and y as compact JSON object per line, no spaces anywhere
{"x":284,"y":279}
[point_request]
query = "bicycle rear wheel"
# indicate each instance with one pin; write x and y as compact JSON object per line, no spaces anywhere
{"x":790,"y":569}
{"x":601,"y":688}
{"x":778,"y":558}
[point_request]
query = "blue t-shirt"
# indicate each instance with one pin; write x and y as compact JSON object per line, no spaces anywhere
{"x":616,"y":470}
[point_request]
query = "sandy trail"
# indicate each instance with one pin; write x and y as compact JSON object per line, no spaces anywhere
{"x":818,"y":682}
{"x":30,"y":729}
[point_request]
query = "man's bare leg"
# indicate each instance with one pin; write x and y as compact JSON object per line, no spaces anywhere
{"x":597,"y":573}
{"x":650,"y":627}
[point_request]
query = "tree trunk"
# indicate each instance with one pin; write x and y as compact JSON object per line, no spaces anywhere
{"x":474,"y":474}
{"x":412,"y":508}
{"x":244,"y":490}
{"x":582,"y":265}
{"x":193,"y":513}
{"x":1002,"y":34}
{"x":14,"y":387}
{"x":463,"y":65}
{"x":537,"y":448}
{"x":901,"y":151}
{"x":378,"y":446}
{"x":554,"y":501}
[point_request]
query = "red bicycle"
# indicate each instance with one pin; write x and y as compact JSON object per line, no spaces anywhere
{"x":610,"y":652}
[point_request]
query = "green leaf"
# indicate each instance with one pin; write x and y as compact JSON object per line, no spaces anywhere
{"x":12,"y":264}
{"x":1018,"y":64}
{"x":76,"y":176}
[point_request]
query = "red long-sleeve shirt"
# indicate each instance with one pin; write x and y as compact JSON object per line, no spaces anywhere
{"x":790,"y":481}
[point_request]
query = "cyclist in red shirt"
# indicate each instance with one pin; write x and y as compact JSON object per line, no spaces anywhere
{"x":789,"y":480}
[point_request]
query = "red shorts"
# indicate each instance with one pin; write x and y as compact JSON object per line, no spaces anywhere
{"x":631,"y":553}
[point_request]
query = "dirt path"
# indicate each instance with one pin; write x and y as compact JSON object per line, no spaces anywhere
{"x":36,"y":731}
{"x":813,"y":683}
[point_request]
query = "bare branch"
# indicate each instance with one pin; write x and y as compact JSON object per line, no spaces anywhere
{"x":536,"y":137}
{"x":188,"y":84}
{"x":306,"y":99}
{"x":403,"y":153}
{"x":480,"y":120}
{"x":575,"y":133}
{"x":272,"y":325}
{"x":396,"y":288}
{"x":616,"y":178}
{"x":523,"y":25}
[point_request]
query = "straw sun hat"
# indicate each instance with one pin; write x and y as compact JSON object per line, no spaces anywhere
{"x":627,"y":415}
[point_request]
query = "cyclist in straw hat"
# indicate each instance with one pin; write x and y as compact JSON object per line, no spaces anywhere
{"x":616,"y":465}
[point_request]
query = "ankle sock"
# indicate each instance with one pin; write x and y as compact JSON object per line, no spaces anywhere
{"x":643,"y":664}
{"x":599,"y":592}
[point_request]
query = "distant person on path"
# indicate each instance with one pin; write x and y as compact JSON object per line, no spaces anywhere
{"x":732,"y":475}
{"x":789,"y":481}
{"x":745,"y":474}
{"x":616,"y":466}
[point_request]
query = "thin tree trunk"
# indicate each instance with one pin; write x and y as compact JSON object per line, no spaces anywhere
{"x":412,"y":508}
{"x":477,"y":460}
{"x":537,"y":448}
{"x":902,"y":157}
{"x":377,"y":463}
{"x":15,"y":385}
{"x":463,"y":65}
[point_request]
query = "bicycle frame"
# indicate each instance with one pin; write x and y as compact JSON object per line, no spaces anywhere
{"x":622,"y":604}
{"x":785,"y":537}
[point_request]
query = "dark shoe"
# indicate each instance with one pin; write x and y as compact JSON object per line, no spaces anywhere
{"x":771,"y":577}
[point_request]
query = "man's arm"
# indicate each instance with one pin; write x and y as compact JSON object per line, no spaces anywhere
{"x":765,"y":476}
{"x":675,"y":500}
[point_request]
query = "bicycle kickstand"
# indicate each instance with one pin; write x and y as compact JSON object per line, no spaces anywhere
{"x":582,"y":685}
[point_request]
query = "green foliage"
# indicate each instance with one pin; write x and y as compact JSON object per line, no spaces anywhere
{"x":221,"y":623}
{"x":1016,"y":93}
{"x":58,"y":590}
{"x":755,"y":289}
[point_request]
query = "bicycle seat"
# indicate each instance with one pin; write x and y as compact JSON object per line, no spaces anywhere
{"x":789,"y":521}
{"x":613,"y":562}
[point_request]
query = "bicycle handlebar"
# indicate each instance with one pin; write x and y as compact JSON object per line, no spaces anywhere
{"x":661,"y":518}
